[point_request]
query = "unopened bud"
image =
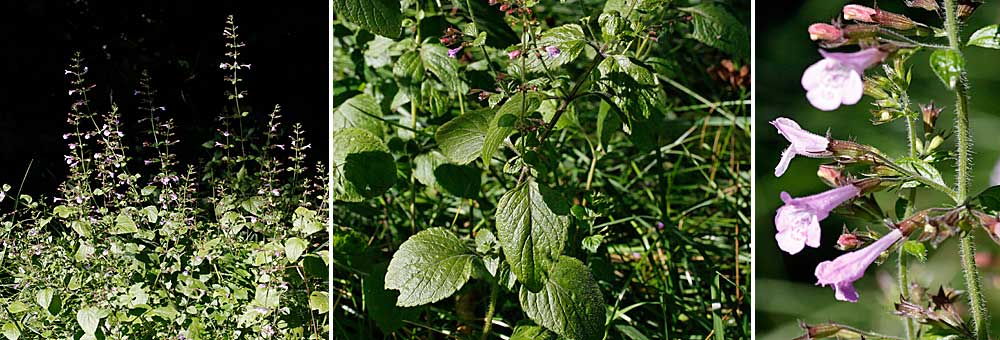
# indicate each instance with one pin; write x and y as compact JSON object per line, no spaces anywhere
{"x":913,"y":223}
{"x":860,"y":31}
{"x":832,"y":175}
{"x":991,"y":224}
{"x":824,"y":32}
{"x":848,"y":242}
{"x":868,"y":185}
{"x":859,"y":13}
{"x":851,"y":152}
{"x":935,"y":143}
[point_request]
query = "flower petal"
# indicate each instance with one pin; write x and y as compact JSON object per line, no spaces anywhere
{"x":786,"y":158}
{"x":813,"y":77}
{"x":852,"y":89}
{"x":824,"y":98}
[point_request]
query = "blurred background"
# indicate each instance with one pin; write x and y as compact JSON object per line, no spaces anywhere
{"x":180,"y":43}
{"x":785,"y":291}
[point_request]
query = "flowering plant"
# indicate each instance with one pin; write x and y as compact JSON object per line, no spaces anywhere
{"x":138,"y":245}
{"x":868,"y":40}
{"x":474,"y":147}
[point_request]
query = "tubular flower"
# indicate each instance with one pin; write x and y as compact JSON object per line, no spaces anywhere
{"x":845,"y":269}
{"x":803,"y":143}
{"x":836,"y":79}
{"x":798,"y":220}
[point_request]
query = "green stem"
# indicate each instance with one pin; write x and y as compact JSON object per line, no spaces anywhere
{"x":977,"y":305}
{"x":488,"y":323}
{"x":904,"y":281}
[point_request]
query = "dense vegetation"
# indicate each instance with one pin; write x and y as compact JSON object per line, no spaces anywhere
{"x":522,"y":170}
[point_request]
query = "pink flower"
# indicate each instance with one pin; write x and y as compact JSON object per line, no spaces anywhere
{"x":859,"y":13}
{"x":454,"y":51}
{"x":845,"y":269}
{"x":798,"y":220}
{"x":514,"y":54}
{"x":804,"y":143}
{"x":836,"y":79}
{"x":553,"y":51}
{"x":825,"y":32}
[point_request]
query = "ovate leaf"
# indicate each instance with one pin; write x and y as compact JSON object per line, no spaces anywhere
{"x":570,"y":41}
{"x":532,"y":332}
{"x":361,"y":111}
{"x":569,"y":303}
{"x":294,"y":247}
{"x":428,"y":267}
{"x":436,"y":60}
{"x":948,"y":65}
{"x":362,"y":165}
{"x":382,"y":17}
{"x":9,"y":331}
{"x":714,"y":26}
{"x":922,"y":168}
{"x":425,"y":165}
{"x":459,"y":180}
{"x":461,"y":139}
{"x":124,"y":224}
{"x":409,"y":68}
{"x":519,"y":105}
{"x":988,"y":37}
{"x":49,"y":301}
{"x":89,"y":319}
{"x":532,"y":223}
{"x":319,"y":301}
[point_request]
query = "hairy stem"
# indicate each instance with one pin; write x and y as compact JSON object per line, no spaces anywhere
{"x":488,"y":323}
{"x":977,"y":305}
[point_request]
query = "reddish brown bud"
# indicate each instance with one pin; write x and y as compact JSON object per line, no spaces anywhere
{"x":825,"y":32}
{"x":930,"y":114}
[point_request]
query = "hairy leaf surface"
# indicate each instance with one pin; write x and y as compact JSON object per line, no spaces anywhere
{"x":428,"y":267}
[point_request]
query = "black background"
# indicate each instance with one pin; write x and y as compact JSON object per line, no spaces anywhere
{"x":181,"y":44}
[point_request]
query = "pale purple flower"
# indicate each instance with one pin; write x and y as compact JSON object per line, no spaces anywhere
{"x":514,"y":54}
{"x":452,"y":52}
{"x":836,"y":79}
{"x":804,"y":143}
{"x":553,"y":51}
{"x":798,"y":220}
{"x":845,"y":269}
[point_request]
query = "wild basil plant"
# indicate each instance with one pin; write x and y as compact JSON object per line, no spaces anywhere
{"x":885,"y":45}
{"x":432,"y":97}
{"x":138,"y":245}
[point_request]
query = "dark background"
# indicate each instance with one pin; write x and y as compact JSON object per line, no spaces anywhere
{"x":785,"y":290}
{"x":181,"y":44}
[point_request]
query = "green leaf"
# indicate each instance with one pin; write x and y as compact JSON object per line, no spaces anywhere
{"x":917,"y":249}
{"x":948,"y":65}
{"x":428,"y":267}
{"x":124,"y":224}
{"x":569,"y":303}
{"x":49,"y":301}
{"x":532,"y":332}
{"x":294,"y":247}
{"x":532,"y":225}
{"x":381,"y":302}
{"x":714,"y":26}
{"x":319,"y":301}
{"x":424,"y":166}
{"x":519,"y":105}
{"x":436,"y":60}
{"x":361,"y":111}
{"x":89,"y":319}
{"x":460,"y":180}
{"x":630,"y":332}
{"x":381,"y":17}
{"x":988,"y":36}
{"x":10,"y":331}
{"x":409,"y":68}
{"x":570,"y":41}
{"x":461,"y":139}
{"x":362,"y":165}
{"x":304,"y":220}
{"x":989,"y":198}
{"x":922,"y":168}
{"x":592,"y":242}
{"x":633,"y":86}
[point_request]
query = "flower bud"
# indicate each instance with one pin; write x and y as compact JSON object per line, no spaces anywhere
{"x":832,"y":175}
{"x":935,"y":143}
{"x":990,"y":224}
{"x":913,"y":223}
{"x":860,"y":31}
{"x":966,"y":8}
{"x":851,"y":152}
{"x":859,"y":13}
{"x":848,"y":242}
{"x":825,"y":32}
